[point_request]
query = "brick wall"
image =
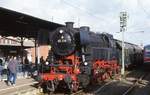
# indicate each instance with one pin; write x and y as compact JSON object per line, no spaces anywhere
{"x":43,"y":52}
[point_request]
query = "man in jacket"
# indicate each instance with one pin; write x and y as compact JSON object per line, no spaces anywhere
{"x":12,"y":67}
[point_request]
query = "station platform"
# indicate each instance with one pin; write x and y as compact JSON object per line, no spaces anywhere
{"x":23,"y":86}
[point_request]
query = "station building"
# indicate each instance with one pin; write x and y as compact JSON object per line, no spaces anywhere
{"x":19,"y":26}
{"x":43,"y":51}
{"x":11,"y":46}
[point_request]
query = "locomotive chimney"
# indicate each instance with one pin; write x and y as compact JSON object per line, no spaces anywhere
{"x":69,"y":24}
{"x":85,"y":28}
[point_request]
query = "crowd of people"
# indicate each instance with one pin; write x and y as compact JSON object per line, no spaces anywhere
{"x":9,"y":68}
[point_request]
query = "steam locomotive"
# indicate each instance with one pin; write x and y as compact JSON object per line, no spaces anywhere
{"x":79,"y":57}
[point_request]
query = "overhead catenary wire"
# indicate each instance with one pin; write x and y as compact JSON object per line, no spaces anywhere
{"x":139,"y":3}
{"x":144,"y":10}
{"x":81,"y":9}
{"x":89,"y":13}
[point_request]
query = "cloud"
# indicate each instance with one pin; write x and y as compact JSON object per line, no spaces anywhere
{"x":100,"y":15}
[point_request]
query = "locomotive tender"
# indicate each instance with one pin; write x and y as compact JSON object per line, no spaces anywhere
{"x":79,"y":57}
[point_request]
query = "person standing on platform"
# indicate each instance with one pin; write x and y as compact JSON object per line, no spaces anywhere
{"x":12,"y":67}
{"x":26,"y":67}
{"x":41,"y":63}
{"x":42,"y":60}
{"x":30,"y":65}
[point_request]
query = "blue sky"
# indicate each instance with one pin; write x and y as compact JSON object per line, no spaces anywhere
{"x":100,"y":15}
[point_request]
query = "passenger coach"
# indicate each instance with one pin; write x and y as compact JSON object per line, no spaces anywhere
{"x":146,"y":54}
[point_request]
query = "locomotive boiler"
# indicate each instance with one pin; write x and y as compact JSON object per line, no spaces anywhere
{"x":79,"y":57}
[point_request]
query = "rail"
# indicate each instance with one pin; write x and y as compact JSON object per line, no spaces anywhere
{"x":103,"y":86}
{"x":78,"y":92}
{"x":129,"y":90}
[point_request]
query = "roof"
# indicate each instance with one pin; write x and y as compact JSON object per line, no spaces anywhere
{"x":8,"y":41}
{"x":17,"y":24}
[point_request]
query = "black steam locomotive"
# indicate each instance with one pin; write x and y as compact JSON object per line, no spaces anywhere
{"x":79,"y":56}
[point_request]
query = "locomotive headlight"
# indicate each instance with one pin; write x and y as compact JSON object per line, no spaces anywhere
{"x":46,"y":63}
{"x":61,"y":31}
{"x":85,"y":63}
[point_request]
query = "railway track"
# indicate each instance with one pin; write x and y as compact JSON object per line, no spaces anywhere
{"x":124,"y":87}
{"x":80,"y":92}
{"x":136,"y":83}
{"x":102,"y":87}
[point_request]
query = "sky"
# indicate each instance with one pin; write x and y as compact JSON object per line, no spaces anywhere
{"x":100,"y":15}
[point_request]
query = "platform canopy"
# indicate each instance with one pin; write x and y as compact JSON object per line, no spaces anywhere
{"x":17,"y":24}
